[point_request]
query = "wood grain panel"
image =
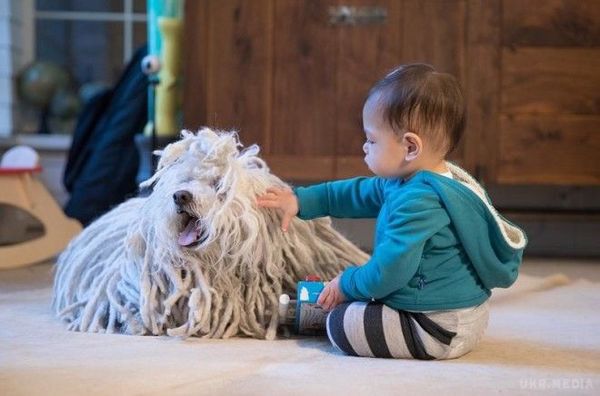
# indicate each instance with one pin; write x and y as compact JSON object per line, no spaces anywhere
{"x":239,"y":72}
{"x":304,"y":81}
{"x":366,"y":54}
{"x":435,"y":33}
{"x":278,"y":71}
{"x":195,"y":64}
{"x":555,"y":23}
{"x":549,"y":150}
{"x":551,"y":80}
{"x":351,"y":166}
{"x":301,"y":167}
{"x":480,"y":141}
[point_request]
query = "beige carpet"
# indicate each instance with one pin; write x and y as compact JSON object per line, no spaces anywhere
{"x":544,"y":337}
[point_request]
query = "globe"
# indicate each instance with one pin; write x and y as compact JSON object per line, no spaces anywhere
{"x":38,"y":82}
{"x":65,"y":104}
{"x":48,"y":87}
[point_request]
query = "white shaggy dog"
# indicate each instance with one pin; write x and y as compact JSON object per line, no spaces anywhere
{"x":197,"y":257}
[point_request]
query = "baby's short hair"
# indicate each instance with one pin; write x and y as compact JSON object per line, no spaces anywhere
{"x":416,"y":98}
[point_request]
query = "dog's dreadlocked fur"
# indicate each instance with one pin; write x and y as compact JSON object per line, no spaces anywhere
{"x":129,"y":273}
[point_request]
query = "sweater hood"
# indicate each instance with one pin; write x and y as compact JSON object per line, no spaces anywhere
{"x":494,"y":245}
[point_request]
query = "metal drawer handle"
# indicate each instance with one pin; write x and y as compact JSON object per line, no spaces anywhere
{"x":346,"y":15}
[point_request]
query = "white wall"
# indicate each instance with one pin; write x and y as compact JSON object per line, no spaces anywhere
{"x":16,"y":50}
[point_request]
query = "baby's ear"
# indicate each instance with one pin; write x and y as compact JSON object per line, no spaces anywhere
{"x":413,"y":145}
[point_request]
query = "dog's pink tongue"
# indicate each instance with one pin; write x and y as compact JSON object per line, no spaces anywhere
{"x":189,"y":235}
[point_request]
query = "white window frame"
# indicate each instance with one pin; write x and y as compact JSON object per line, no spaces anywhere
{"x":16,"y":24}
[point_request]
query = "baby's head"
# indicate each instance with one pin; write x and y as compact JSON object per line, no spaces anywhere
{"x":413,"y":118}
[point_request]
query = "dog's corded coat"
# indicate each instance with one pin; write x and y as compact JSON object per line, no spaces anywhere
{"x":127,"y":273}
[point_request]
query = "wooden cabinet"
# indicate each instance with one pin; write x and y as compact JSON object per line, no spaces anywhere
{"x":549,"y":114}
{"x":288,"y":79}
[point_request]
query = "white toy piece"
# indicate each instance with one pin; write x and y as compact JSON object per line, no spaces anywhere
{"x":19,"y":187}
{"x":20,"y":157}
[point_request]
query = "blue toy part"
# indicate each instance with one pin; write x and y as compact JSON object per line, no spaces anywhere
{"x":310,"y":317}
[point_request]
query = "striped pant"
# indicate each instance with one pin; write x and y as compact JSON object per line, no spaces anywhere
{"x":376,"y":330}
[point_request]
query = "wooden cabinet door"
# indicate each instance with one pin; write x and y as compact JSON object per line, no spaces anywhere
{"x":549,"y":110}
{"x":414,"y":31}
{"x":294,"y":82}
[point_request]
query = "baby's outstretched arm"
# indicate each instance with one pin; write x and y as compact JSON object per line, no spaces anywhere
{"x":283,"y":199}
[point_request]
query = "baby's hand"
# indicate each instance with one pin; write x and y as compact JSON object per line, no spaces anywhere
{"x":283,"y":199}
{"x":332,"y":295}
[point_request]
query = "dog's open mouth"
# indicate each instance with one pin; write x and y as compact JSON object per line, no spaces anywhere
{"x":193,"y":233}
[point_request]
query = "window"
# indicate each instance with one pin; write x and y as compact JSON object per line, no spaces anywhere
{"x":92,"y":40}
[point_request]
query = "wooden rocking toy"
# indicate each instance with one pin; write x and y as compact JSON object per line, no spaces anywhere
{"x":20,"y":187}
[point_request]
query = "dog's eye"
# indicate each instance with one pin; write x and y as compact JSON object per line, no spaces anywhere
{"x":253,"y":164}
{"x":214,"y":183}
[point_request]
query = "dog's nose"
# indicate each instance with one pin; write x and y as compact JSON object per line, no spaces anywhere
{"x":182,"y":197}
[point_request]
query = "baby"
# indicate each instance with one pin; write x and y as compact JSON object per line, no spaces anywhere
{"x":440,"y":246}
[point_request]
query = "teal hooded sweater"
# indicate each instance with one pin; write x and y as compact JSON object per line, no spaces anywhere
{"x":439,"y":243}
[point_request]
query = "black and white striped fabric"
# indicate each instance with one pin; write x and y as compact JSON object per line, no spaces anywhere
{"x":376,"y":330}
